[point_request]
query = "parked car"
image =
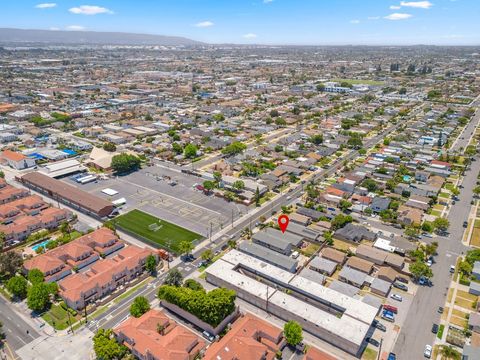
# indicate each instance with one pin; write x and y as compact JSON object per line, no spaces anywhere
{"x":400,"y":286}
{"x":388,"y":316}
{"x":208,"y":336}
{"x":440,"y":310}
{"x":428,"y":351}
{"x":377,"y":324}
{"x":392,"y":356}
{"x":391,"y":308}
{"x":396,"y":297}
{"x":434,"y":328}
{"x":429,"y":262}
{"x":373,"y":342}
{"x":465,"y":224}
{"x":452,"y":269}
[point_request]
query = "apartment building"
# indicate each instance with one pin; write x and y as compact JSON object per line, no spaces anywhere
{"x":155,"y":336}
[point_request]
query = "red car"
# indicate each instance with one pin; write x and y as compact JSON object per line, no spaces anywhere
{"x":390,"y":308}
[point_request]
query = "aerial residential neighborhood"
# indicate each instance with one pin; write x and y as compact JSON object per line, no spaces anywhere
{"x":281,"y":194}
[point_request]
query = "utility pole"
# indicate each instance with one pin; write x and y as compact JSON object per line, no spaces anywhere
{"x":85,"y":308}
{"x":211,"y":225}
{"x":232,"y":218}
{"x":69,"y":320}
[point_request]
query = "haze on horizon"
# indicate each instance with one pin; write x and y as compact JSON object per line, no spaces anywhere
{"x":277,"y":22}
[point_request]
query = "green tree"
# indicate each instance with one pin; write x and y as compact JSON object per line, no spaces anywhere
{"x":328,"y":236}
{"x":234,"y":148}
{"x":174,"y":277}
{"x":370,"y":184}
{"x":217,"y":176}
{"x":411,"y":232}
{"x":2,"y":174}
{"x":110,"y":147}
{"x":208,"y":185}
{"x":420,"y":269}
{"x":35,"y":276}
{"x":293,"y":333}
{"x":465,"y":268}
{"x":38,"y":296}
{"x":10,"y":261}
{"x":345,"y":205}
{"x":106,"y":347}
{"x":316,"y":139}
{"x":340,"y":221}
{"x":185,"y":247}
{"x":257,"y":197}
{"x":427,"y":226}
{"x":207,"y":255}
{"x":238,"y":185}
{"x":139,"y":306}
{"x":441,"y":224}
{"x":279,"y":121}
{"x":17,"y":286}
{"x":211,"y":307}
{"x":320,"y":87}
{"x":190,"y":151}
{"x":193,"y":285}
{"x":177,"y":148}
{"x":123,"y":163}
{"x":151,"y":263}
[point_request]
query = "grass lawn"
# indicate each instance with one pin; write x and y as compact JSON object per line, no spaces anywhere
{"x":438,"y":207}
{"x":466,"y":304}
{"x":445,"y":313}
{"x":441,"y":328}
{"x":358,"y":81}
{"x":436,"y":213}
{"x":459,"y":313}
{"x":341,"y":245}
{"x":461,"y":322}
{"x":444,"y":195}
{"x":167,"y":235}
{"x":466,"y":295}
{"x":450,"y":294}
{"x":5,"y":293}
{"x":57,"y":317}
{"x":310,"y":249}
{"x":369,"y":354}
{"x":475,"y":239}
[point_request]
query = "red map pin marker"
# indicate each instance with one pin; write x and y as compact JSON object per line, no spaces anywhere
{"x":283,"y":221}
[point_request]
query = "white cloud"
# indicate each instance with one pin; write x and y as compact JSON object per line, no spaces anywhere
{"x":45,"y":5}
{"x":54,"y":28}
{"x":417,"y":4}
{"x":75,"y":28}
{"x":398,"y":16}
{"x":355,"y":21}
{"x":250,"y":36}
{"x":395,"y":7}
{"x":90,"y":10}
{"x":204,"y":24}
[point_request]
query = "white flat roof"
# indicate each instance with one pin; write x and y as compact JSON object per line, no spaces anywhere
{"x":353,"y":325}
{"x":109,"y":192}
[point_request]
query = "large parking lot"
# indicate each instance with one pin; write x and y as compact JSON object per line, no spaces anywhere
{"x":149,"y":190}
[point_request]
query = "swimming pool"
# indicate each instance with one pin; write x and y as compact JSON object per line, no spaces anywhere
{"x":42,"y":244}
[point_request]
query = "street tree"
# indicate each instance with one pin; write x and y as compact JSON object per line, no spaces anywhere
{"x":106,"y":347}
{"x":190,"y":151}
{"x":139,"y":306}
{"x":174,"y":277}
{"x":17,"y":286}
{"x":420,"y":269}
{"x":207,"y":255}
{"x":151,"y":263}
{"x":38,"y":297}
{"x":35,"y":276}
{"x":186,"y":247}
{"x":441,"y":224}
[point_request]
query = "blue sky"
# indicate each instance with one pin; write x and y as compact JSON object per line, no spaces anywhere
{"x":314,"y":22}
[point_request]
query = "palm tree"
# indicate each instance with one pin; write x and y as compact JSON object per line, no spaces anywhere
{"x":449,"y":353}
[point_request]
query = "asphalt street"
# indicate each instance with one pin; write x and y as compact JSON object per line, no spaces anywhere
{"x":416,"y":331}
{"x":15,"y":327}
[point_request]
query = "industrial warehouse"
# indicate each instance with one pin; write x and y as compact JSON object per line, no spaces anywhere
{"x":67,"y":194}
{"x":328,"y":314}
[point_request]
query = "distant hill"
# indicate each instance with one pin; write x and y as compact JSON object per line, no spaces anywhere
{"x":8,"y":35}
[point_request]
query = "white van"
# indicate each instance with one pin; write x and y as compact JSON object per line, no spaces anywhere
{"x":295,"y":254}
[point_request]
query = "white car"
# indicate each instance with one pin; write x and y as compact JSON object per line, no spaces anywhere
{"x":429,"y":263}
{"x":396,"y":297}
{"x":428,"y":351}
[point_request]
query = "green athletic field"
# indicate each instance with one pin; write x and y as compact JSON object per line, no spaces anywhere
{"x":151,"y":228}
